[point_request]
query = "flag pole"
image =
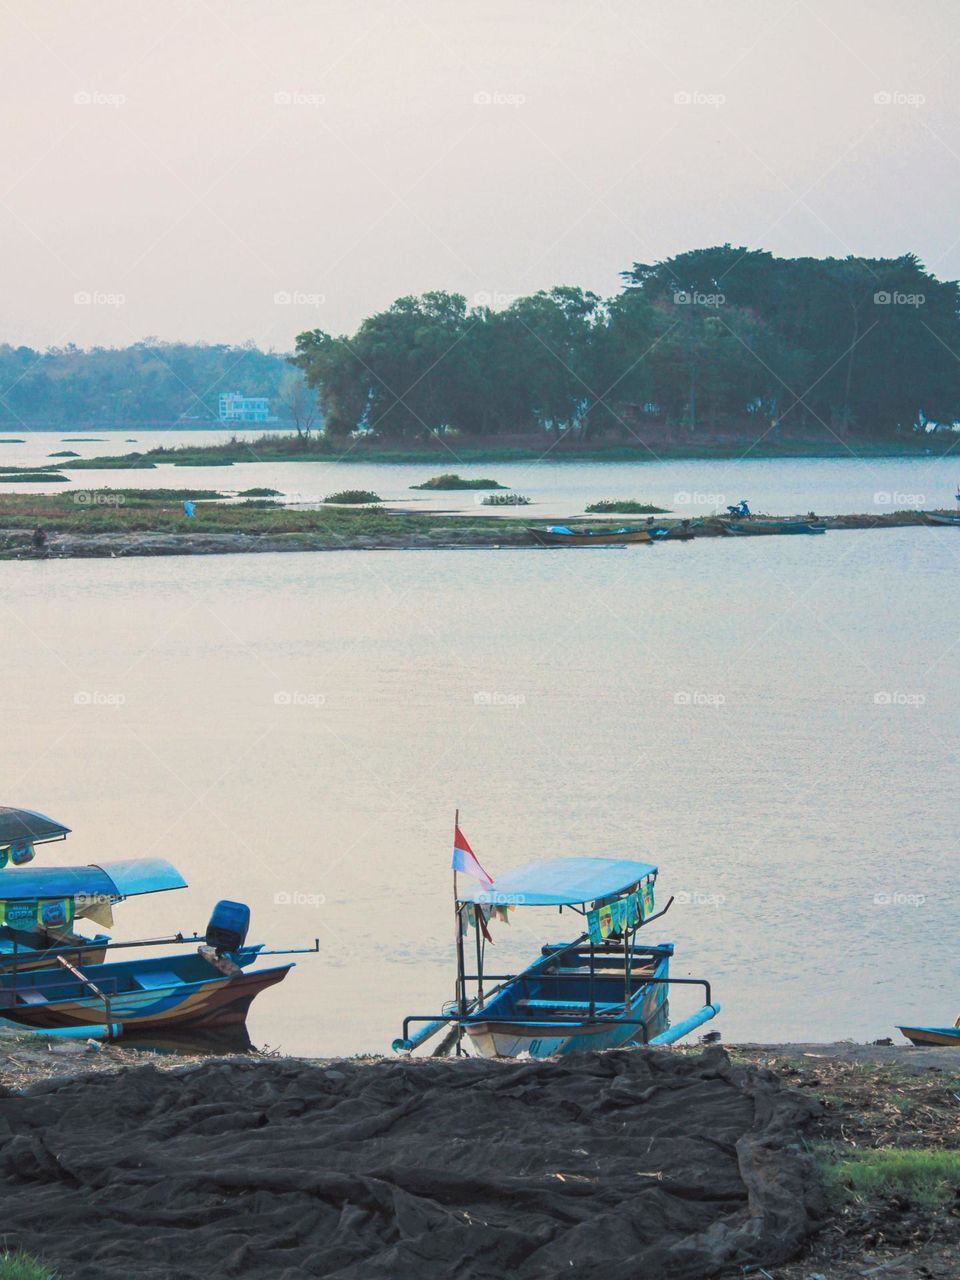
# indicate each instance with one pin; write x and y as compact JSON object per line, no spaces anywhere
{"x":458,"y":937}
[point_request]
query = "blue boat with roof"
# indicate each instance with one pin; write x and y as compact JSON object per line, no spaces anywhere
{"x":53,"y":979}
{"x":602,"y":990}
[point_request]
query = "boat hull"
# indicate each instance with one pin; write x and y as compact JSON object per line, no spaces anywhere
{"x":548,"y":539}
{"x":934,"y":518}
{"x":932,"y":1035}
{"x":535,"y":1040}
{"x":555,"y":1008}
{"x":221,"y":1001}
{"x":766,"y":529}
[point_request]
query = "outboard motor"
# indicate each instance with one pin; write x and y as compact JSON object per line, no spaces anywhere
{"x":227,"y":930}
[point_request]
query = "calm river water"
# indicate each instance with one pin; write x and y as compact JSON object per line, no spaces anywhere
{"x":555,"y":489}
{"x":774,"y":723}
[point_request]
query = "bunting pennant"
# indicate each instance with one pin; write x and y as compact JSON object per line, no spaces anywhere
{"x":626,"y":913}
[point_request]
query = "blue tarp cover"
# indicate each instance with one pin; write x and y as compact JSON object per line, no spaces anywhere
{"x":112,"y":880}
{"x":560,"y":882}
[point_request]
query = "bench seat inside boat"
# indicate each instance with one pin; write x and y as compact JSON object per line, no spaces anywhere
{"x":566,"y":1004}
{"x":155,"y":978}
{"x":31,"y":997}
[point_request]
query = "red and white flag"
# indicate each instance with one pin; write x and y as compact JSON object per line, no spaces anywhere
{"x":465,"y":860}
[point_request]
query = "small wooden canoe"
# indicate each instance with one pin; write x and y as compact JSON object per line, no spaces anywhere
{"x":559,"y":536}
{"x":932,"y":1035}
{"x":739,"y":528}
{"x":935,"y":517}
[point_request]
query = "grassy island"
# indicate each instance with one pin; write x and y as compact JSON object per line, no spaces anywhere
{"x":621,"y":506}
{"x":451,"y":481}
{"x":353,"y":497}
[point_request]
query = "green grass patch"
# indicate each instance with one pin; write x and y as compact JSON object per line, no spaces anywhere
{"x":452,"y":481}
{"x":121,"y":462}
{"x":929,"y":1177}
{"x":353,"y":497}
{"x":624,"y":507}
{"x":260,"y":493}
{"x":163,"y":495}
{"x":21,"y":1266}
{"x":31,"y":477}
{"x":102,"y":512}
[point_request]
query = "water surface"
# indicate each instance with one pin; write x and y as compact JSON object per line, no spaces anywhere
{"x":774,"y":723}
{"x":828,"y":486}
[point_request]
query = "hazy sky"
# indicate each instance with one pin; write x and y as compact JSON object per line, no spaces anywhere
{"x":245,"y":169}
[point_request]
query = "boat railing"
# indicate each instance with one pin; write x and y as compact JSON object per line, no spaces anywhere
{"x":25,"y":958}
{"x":644,"y":980}
{"x":107,"y":986}
{"x":436,"y":1021}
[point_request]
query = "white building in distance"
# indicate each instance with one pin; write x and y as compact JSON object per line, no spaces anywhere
{"x":237,"y":408}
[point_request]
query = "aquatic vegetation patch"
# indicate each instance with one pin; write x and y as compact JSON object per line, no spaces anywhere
{"x":353,"y":497}
{"x":451,"y":480}
{"x":625,"y":507}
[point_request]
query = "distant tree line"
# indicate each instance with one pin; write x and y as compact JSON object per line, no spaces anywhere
{"x":150,"y":382}
{"x":720,"y":340}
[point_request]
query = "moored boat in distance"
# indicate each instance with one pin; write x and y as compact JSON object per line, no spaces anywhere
{"x":741,"y":528}
{"x":561,"y":536}
{"x":943,"y":517}
{"x":600,"y":991}
{"x":932,"y":1035}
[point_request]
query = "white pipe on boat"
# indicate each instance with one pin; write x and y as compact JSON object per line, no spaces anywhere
{"x":681,"y":1029}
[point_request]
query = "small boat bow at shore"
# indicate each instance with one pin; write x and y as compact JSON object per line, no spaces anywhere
{"x":561,"y":536}
{"x":600,"y":991}
{"x":932,"y":1035}
{"x":752,"y":526}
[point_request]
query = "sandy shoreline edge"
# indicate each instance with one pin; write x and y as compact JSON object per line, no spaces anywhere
{"x":448,"y":533}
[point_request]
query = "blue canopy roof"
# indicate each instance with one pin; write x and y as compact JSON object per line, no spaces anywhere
{"x":17,"y":825}
{"x":561,"y":882}
{"x":111,"y":880}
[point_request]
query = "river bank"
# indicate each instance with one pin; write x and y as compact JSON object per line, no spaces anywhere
{"x":276,"y":447}
{"x":781,"y":1160}
{"x":157,"y":527}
